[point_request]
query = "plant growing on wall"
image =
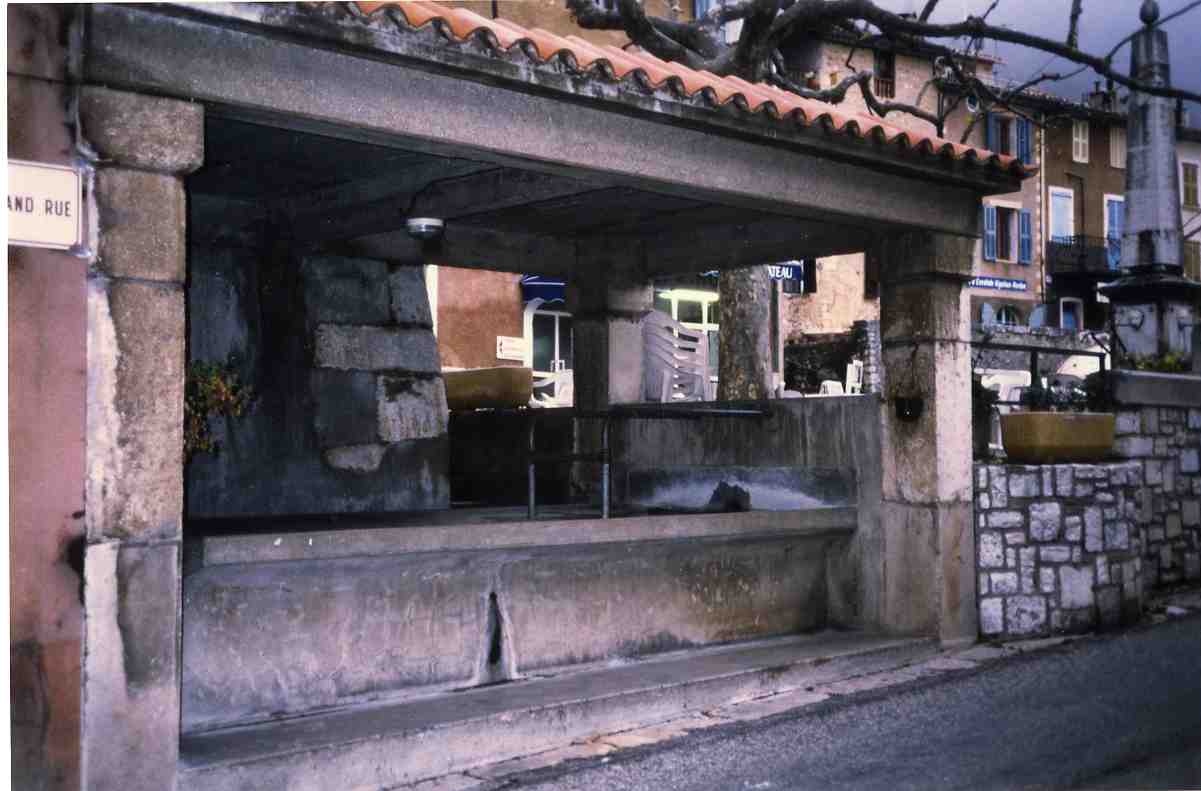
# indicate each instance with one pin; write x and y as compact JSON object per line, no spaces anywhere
{"x":211,"y":390}
{"x":1170,"y":363}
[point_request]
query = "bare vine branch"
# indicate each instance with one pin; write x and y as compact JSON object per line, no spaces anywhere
{"x":698,"y":44}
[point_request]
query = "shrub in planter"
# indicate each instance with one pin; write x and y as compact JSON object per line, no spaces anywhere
{"x":984,"y":401}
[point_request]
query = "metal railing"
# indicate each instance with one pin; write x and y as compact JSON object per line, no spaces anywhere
{"x":1034,"y":351}
{"x":1080,"y":255}
{"x":604,"y":456}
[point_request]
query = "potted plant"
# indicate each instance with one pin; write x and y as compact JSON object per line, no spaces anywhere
{"x":1060,"y":425}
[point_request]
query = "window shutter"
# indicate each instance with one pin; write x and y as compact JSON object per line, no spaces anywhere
{"x":990,"y":233}
{"x":1025,"y":238}
{"x":809,"y":274}
{"x":991,"y":132}
{"x":1025,"y":138}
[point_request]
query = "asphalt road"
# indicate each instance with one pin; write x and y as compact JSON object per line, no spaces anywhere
{"x":1118,"y":711}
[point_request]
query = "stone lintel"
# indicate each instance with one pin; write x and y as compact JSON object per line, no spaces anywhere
{"x":144,"y":132}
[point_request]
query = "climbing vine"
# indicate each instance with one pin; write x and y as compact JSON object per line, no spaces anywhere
{"x":211,"y":390}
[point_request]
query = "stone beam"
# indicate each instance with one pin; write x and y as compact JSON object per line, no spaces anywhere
{"x":402,"y":100}
{"x":733,"y":245}
{"x":471,"y":248}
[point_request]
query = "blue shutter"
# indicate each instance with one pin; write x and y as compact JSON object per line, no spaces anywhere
{"x":990,"y":233}
{"x":991,"y":131}
{"x":1025,"y":238}
{"x":1025,"y":139}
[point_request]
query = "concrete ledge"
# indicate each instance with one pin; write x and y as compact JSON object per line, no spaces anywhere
{"x":383,"y":746}
{"x":397,"y":535}
{"x":1148,"y":388}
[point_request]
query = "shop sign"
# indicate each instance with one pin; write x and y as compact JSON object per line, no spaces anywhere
{"x":43,"y":205}
{"x":510,"y":348}
{"x":998,"y":283}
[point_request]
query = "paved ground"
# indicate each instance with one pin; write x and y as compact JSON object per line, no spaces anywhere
{"x":1116,"y":711}
{"x":1107,"y":710}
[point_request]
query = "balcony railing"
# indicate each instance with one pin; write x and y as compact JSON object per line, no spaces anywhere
{"x":1083,"y":255}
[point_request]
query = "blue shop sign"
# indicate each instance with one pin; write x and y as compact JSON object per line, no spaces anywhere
{"x":785,"y":270}
{"x":998,"y":283}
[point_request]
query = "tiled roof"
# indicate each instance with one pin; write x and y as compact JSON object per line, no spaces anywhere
{"x":611,"y":63}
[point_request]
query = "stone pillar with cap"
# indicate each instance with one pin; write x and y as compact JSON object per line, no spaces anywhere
{"x":1154,"y":305}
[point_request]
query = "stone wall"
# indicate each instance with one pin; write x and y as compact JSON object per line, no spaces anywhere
{"x":1166,"y":443}
{"x":838,"y":302}
{"x":1057,"y":547}
{"x":1072,"y":547}
{"x":349,"y":409}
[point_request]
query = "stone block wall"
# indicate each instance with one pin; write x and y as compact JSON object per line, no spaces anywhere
{"x":1072,"y":547}
{"x":1166,"y":443}
{"x":349,"y":413}
{"x":1057,"y":547}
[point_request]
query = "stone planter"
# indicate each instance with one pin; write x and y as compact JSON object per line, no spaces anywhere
{"x":1056,"y":437}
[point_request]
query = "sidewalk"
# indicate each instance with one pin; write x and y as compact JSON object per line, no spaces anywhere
{"x":1161,"y":607}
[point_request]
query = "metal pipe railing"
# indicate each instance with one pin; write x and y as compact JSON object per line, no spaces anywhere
{"x":620,"y":412}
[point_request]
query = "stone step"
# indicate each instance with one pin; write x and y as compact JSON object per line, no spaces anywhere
{"x":381,"y":745}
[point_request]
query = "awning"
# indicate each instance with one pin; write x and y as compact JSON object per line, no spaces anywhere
{"x":544,"y":288}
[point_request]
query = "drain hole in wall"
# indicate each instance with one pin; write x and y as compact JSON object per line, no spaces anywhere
{"x":495,"y":629}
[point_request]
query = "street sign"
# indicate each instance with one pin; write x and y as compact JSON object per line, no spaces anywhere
{"x":44,"y":205}
{"x":510,"y":348}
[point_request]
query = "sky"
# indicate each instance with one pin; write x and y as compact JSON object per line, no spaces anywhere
{"x":1103,"y":24}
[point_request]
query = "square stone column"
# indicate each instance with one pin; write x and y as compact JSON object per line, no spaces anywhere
{"x":926,"y":515}
{"x":608,"y":299}
{"x":139,"y":147}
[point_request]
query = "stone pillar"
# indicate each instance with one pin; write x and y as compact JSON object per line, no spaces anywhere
{"x":926,"y":513}
{"x":140,"y":147}
{"x":608,"y":301}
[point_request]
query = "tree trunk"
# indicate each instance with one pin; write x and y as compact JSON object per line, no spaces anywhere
{"x":745,"y":344}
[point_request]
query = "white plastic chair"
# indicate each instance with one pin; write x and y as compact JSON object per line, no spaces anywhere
{"x":676,"y":361}
{"x":854,"y":377}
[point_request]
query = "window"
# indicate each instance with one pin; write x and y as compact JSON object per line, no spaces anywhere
{"x":1080,"y":141}
{"x":1192,"y":260}
{"x":1117,"y":147}
{"x":885,"y":85}
{"x":1010,"y":136}
{"x":1115,"y":208}
{"x":1188,"y":183}
{"x":1071,"y":314}
{"x":701,"y":7}
{"x":1008,"y":234}
{"x":1005,"y":229}
{"x":1063,"y":214}
{"x":1007,"y":314}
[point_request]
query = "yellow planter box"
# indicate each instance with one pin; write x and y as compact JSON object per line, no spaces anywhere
{"x":483,"y":388}
{"x":1052,"y":437}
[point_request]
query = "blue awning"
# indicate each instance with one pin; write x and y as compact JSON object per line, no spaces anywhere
{"x":545,"y":288}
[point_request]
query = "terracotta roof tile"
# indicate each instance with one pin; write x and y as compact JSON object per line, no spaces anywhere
{"x":501,"y":34}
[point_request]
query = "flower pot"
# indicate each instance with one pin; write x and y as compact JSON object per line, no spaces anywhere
{"x":1053,"y":437}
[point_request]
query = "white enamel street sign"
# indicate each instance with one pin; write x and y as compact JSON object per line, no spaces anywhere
{"x":43,"y":205}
